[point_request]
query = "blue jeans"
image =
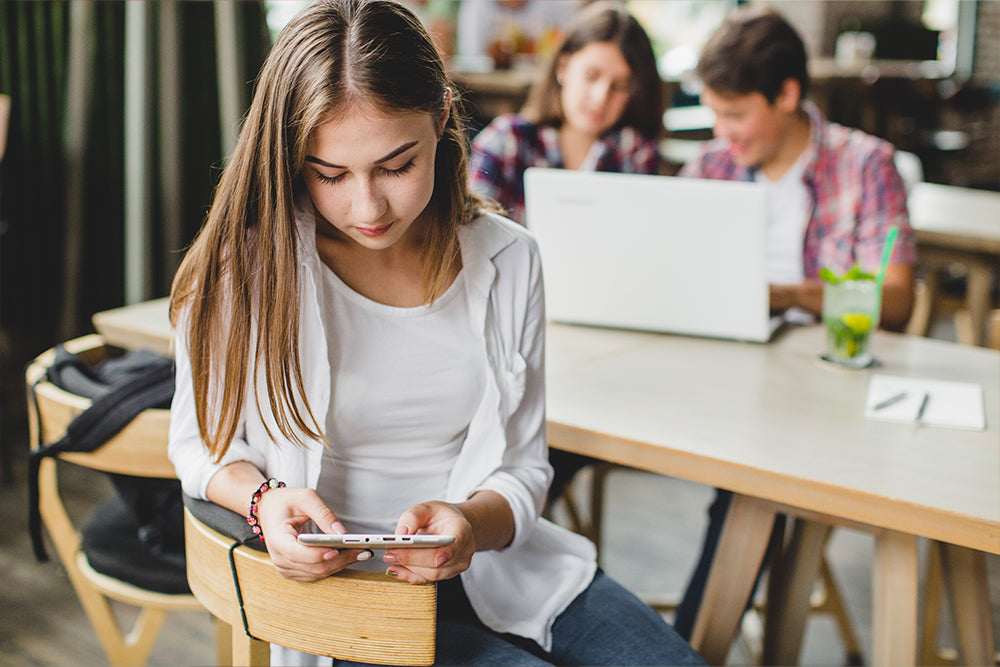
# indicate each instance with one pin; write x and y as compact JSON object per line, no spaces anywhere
{"x":604,"y":625}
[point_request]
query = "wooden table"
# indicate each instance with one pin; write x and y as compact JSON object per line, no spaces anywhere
{"x":784,"y":431}
{"x":144,"y":325}
{"x":957,"y":225}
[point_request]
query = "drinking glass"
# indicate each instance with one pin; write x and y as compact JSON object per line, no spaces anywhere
{"x":849,"y":314}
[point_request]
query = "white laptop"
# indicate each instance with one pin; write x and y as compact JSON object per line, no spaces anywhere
{"x":653,"y":253}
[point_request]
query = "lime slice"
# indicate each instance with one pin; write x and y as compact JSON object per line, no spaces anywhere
{"x":859,"y":323}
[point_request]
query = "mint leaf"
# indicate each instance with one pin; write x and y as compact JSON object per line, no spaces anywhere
{"x":829,"y":276}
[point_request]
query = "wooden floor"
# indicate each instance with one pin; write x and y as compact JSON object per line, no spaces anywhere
{"x":41,"y":622}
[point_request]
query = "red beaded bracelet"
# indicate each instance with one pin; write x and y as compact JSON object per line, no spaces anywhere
{"x":252,"y":519}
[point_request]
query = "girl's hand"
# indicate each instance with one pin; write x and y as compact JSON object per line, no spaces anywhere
{"x":283,"y":513}
{"x":423,"y":565}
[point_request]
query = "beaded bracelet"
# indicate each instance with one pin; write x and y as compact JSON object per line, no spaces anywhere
{"x":252,"y":519}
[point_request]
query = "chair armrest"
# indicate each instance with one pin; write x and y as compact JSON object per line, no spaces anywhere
{"x":224,"y":521}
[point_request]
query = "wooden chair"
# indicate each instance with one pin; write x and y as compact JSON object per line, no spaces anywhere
{"x":139,"y":449}
{"x":352,"y":615}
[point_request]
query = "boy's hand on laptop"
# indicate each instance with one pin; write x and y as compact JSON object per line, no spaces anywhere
{"x":806,"y":295}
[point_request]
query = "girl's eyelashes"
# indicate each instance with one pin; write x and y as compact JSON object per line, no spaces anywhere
{"x":400,"y":171}
{"x":323,"y":178}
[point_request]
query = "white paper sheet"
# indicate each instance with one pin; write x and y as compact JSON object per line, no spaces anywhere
{"x":949,"y":404}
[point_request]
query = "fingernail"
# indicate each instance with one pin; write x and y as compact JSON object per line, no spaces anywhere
{"x":391,"y":572}
{"x":338,"y":528}
{"x":365,"y":555}
{"x":440,"y":560}
{"x":390,"y":558}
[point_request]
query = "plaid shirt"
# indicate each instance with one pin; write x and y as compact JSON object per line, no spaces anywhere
{"x":510,"y":144}
{"x":855,"y":194}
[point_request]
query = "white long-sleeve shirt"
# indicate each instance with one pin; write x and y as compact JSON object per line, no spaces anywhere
{"x":521,"y":589}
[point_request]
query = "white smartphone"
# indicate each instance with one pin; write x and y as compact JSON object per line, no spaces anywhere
{"x":365,"y":541}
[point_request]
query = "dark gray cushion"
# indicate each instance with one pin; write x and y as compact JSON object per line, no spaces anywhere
{"x":225,"y":521}
{"x":111,"y":542}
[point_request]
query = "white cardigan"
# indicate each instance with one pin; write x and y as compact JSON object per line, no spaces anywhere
{"x":524,"y":587}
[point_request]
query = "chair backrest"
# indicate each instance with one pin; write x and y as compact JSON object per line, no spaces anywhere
{"x":138,"y":449}
{"x":353,"y":615}
{"x":910,"y":168}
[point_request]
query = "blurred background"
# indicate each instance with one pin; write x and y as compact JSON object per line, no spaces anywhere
{"x":116,"y":119}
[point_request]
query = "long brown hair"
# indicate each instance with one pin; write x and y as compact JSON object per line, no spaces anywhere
{"x":604,"y":22}
{"x":237,"y":291}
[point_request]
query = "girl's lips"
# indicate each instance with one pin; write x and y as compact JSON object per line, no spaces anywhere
{"x":374,"y":231}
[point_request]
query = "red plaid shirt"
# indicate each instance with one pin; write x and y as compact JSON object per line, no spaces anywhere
{"x":855,"y":194}
{"x":506,"y":147}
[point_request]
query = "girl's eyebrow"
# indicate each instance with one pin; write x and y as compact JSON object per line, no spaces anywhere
{"x":386,"y":158}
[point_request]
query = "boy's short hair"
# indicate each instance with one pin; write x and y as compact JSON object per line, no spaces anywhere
{"x":753,"y":51}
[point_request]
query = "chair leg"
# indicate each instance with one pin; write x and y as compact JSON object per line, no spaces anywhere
{"x":223,"y":643}
{"x":249,"y":652}
{"x":993,"y":331}
{"x":965,"y":329}
{"x":960,"y":574}
{"x":930,"y":655}
{"x":597,"y":487}
{"x":576,"y":523}
{"x":966,"y":581}
{"x":121,"y":648}
{"x":592,"y":529}
{"x":124,"y":649}
{"x":923,"y":304}
{"x":834,"y":604}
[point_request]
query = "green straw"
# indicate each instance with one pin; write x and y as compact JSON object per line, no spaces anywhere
{"x":890,"y":241}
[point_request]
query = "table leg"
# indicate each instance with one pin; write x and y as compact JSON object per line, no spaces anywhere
{"x":744,"y":539}
{"x":967,"y":583}
{"x":977,"y":298}
{"x":894,"y":600}
{"x":790,"y":585}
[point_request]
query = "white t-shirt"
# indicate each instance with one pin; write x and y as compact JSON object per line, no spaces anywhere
{"x":406,"y":383}
{"x":787,"y":216}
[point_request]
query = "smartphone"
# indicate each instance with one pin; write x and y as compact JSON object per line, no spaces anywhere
{"x":363,"y":541}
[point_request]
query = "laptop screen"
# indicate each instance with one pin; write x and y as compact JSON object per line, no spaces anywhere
{"x":654,"y":253}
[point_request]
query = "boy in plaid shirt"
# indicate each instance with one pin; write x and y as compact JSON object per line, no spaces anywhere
{"x":833,"y":191}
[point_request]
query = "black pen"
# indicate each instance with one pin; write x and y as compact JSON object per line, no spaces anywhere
{"x":923,"y":406}
{"x":892,"y":400}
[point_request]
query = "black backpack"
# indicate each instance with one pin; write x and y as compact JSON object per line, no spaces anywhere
{"x":120,"y":389}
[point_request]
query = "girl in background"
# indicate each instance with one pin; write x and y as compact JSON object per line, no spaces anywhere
{"x":597,"y":106}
